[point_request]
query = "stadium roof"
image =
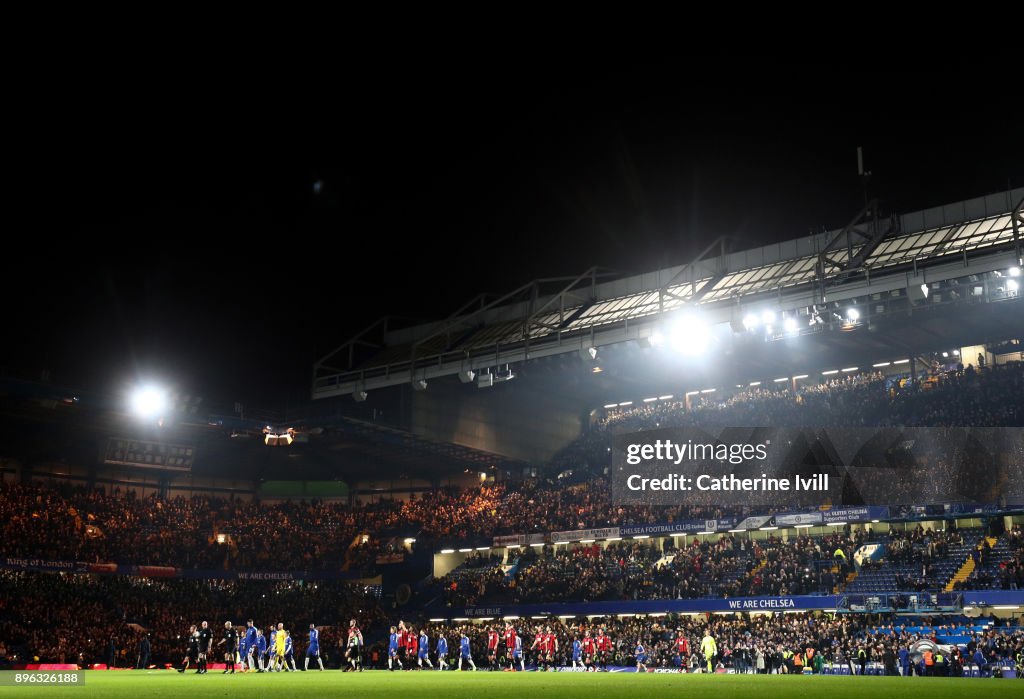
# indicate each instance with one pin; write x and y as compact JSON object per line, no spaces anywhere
{"x":596,"y":308}
{"x":47,"y":423}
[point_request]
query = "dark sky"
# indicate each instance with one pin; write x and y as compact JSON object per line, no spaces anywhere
{"x":172,"y":228}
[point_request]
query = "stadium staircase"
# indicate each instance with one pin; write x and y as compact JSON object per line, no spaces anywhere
{"x":756,"y":569}
{"x":846,"y":583}
{"x":967,"y":568}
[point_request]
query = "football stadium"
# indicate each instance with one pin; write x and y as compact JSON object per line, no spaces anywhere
{"x":767,"y":470}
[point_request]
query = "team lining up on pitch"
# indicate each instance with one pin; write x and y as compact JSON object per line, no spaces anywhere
{"x":252,"y":651}
{"x":803,"y":643}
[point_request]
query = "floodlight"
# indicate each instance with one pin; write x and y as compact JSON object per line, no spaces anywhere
{"x":689,"y":335}
{"x":149,"y":401}
{"x":853,"y":315}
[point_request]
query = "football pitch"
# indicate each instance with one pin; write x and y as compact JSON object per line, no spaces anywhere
{"x":163,"y":683}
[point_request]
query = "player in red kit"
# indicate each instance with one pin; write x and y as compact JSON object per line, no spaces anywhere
{"x":412,"y":644}
{"x":510,"y":644}
{"x":402,"y":633}
{"x":604,"y":649}
{"x":550,"y":645}
{"x":492,"y":647}
{"x":538,"y":646}
{"x":682,"y":649}
{"x":588,"y":650}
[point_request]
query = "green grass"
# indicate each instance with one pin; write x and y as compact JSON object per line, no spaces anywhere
{"x":532,"y":685}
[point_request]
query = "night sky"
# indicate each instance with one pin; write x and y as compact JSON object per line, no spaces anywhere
{"x":171,"y":231}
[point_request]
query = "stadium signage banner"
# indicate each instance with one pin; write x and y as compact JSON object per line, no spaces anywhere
{"x":509,"y":540}
{"x":988,"y":598}
{"x":44,"y":566}
{"x":677,"y":606}
{"x":579,"y":534}
{"x":691,"y":526}
{"x":791,"y":518}
{"x":753,"y":522}
{"x":856,"y":514}
{"x":167,"y":571}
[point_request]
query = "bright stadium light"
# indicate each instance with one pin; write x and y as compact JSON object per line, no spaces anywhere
{"x":768,"y":317}
{"x":790,"y":325}
{"x":689,"y":335}
{"x":447,"y":550}
{"x":1012,"y":286}
{"x":853,"y":315}
{"x":149,"y":401}
{"x":657,"y":339}
{"x":1014,"y":271}
{"x":750,"y":321}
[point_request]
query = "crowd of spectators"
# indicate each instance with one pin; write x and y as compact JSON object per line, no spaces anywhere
{"x":74,"y":523}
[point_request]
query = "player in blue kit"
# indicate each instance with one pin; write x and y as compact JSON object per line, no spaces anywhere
{"x":272,"y":649}
{"x":393,"y":658}
{"x":424,"y":650}
{"x":442,"y":651}
{"x":641,"y":657}
{"x":313,"y":649}
{"x":517,"y":654}
{"x":289,"y":654}
{"x":465,"y":653}
{"x":261,"y":650}
{"x":577,"y":653}
{"x":248,"y":646}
